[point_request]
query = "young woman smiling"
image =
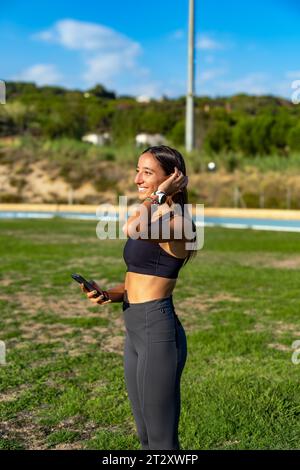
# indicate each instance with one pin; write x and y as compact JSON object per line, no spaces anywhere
{"x":155,"y":348}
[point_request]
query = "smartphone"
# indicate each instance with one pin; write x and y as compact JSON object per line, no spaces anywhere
{"x":88,"y":285}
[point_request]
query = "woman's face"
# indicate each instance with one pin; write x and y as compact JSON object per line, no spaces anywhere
{"x":149,"y":175}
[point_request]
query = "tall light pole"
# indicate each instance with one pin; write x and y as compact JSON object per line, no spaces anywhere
{"x":189,"y":122}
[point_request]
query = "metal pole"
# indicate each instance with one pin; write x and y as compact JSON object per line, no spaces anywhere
{"x":189,"y":123}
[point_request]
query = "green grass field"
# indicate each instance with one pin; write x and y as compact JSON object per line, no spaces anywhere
{"x":62,"y":386}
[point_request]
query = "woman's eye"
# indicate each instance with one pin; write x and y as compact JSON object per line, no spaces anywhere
{"x":147,"y":172}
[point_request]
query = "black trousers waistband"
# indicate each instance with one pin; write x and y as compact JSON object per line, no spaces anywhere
{"x":150,"y":304}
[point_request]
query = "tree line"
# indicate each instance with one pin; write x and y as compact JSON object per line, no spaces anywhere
{"x":250,"y":125}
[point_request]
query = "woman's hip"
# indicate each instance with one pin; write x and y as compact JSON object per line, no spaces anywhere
{"x":156,"y":319}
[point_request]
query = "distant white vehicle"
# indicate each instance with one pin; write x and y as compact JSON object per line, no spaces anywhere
{"x":97,"y":139}
{"x":143,"y":99}
{"x":150,"y":139}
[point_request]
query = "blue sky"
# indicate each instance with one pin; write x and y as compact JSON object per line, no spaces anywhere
{"x":139,"y":47}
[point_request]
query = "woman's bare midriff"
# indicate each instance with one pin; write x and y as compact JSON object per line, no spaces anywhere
{"x":145,"y":287}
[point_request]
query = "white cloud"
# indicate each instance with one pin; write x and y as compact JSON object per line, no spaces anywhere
{"x":106,"y":53}
{"x":42,"y":74}
{"x":80,"y":35}
{"x":150,"y":89}
{"x":104,"y":67}
{"x":254,"y":83}
{"x":107,"y":66}
{"x":207,"y":43}
{"x":206,"y":75}
{"x":293,"y":74}
{"x":179,"y":34}
{"x":284,"y":89}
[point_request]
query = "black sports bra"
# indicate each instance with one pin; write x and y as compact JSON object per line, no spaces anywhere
{"x":145,"y":257}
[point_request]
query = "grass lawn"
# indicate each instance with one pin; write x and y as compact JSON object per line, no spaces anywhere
{"x":62,"y":386}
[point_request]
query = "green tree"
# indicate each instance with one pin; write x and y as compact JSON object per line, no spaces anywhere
{"x":293,"y":138}
{"x":177,"y":134}
{"x":280,"y":130}
{"x":242,"y":136}
{"x":218,"y":137}
{"x":262,"y":134}
{"x":100,"y":92}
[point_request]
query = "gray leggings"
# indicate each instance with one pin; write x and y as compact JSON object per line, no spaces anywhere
{"x":155,"y":352}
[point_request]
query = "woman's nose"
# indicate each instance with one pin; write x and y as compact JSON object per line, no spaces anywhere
{"x":138,"y":179}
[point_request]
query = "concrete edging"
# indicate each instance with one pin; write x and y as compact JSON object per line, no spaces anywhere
{"x":208,"y":211}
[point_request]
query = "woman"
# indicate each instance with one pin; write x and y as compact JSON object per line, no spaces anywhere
{"x":155,"y":347}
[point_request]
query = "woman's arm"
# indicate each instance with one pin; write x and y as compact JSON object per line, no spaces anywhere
{"x":116,"y":294}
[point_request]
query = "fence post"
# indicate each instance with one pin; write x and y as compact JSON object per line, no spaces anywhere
{"x":262,"y":199}
{"x":236,"y":196}
{"x":70,"y":196}
{"x":288,"y":197}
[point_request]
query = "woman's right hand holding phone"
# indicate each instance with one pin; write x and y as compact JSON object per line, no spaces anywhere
{"x":95,"y":300}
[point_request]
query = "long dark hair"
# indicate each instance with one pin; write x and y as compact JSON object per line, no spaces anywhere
{"x":168,"y":158}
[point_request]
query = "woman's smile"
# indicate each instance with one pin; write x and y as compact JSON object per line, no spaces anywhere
{"x":141,"y":189}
